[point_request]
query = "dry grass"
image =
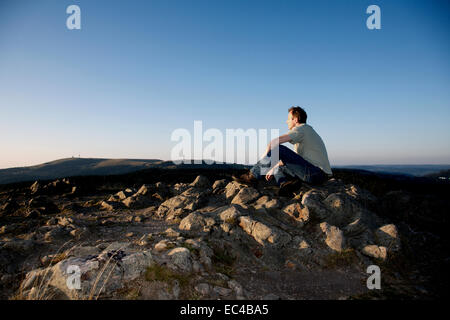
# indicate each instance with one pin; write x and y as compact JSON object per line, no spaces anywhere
{"x":159,"y":273}
{"x":341,"y":259}
{"x":42,"y":291}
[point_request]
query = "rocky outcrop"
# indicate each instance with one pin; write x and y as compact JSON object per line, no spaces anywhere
{"x":185,"y":237}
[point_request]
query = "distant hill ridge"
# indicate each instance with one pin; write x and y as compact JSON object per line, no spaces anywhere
{"x":69,"y":167}
{"x":412,"y":170}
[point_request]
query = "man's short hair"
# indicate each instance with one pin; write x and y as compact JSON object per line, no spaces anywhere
{"x":299,"y":113}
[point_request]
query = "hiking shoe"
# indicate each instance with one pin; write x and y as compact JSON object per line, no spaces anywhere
{"x":247,"y":178}
{"x":287,"y":188}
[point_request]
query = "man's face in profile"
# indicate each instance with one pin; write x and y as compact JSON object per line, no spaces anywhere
{"x":291,"y":122}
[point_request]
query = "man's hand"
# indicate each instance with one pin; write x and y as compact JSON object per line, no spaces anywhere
{"x":269,"y":174}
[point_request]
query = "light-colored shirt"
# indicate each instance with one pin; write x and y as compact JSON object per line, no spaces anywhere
{"x":309,"y":145}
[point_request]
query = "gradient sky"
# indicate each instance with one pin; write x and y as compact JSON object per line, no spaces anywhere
{"x":138,"y":70}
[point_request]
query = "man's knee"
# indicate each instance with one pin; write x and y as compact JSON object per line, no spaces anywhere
{"x":280,"y":149}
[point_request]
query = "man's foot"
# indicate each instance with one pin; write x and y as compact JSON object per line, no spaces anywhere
{"x":247,"y":178}
{"x":287,"y":188}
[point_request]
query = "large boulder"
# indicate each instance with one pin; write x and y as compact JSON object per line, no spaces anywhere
{"x":180,"y":205}
{"x":181,"y":259}
{"x":264,"y":234}
{"x":342,"y":209}
{"x":97,"y":274}
{"x":313,"y":200}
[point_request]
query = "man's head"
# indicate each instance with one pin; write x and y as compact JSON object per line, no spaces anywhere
{"x":296,"y":116}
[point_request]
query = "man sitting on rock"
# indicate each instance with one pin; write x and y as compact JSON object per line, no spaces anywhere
{"x":309,"y":162}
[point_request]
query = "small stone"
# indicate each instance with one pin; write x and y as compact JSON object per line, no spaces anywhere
{"x":219,"y":184}
{"x":230,"y":214}
{"x":203,"y":288}
{"x":161,"y":246}
{"x":170,"y":232}
{"x":222,"y":291}
{"x":107,"y":205}
{"x":193,"y":221}
{"x":236,"y":287}
{"x":387,"y":236}
{"x":375,"y":252}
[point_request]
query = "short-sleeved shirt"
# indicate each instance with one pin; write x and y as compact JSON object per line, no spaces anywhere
{"x":309,"y":145}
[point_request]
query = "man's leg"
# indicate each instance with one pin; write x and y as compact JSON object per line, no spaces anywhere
{"x":303,"y":169}
{"x":262,"y":167}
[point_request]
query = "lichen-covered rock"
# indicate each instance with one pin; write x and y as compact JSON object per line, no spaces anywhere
{"x":200,"y":182}
{"x":190,"y":200}
{"x":219,"y":184}
{"x":245,"y":196}
{"x":162,"y":245}
{"x":122,"y":195}
{"x":387,"y":236}
{"x":334,"y":237}
{"x":194,"y":221}
{"x":95,"y":276}
{"x":203,"y":288}
{"x":313,"y":200}
{"x":137,"y":201}
{"x":230,"y":214}
{"x":297,"y":213}
{"x":358,"y":234}
{"x":232,"y":189}
{"x":342,"y":209}
{"x":181,"y":258}
{"x":262,"y":233}
{"x":144,"y":190}
{"x":108,"y":206}
{"x":374,"y":251}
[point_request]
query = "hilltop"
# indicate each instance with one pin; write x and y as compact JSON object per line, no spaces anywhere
{"x":70,"y":167}
{"x":193,"y":233}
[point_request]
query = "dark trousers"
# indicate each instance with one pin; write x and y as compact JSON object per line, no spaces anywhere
{"x":294,"y":164}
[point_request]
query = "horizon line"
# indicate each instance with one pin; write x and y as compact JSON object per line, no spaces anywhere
{"x":155,"y":159}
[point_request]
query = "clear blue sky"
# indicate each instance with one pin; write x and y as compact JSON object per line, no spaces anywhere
{"x":137,"y":70}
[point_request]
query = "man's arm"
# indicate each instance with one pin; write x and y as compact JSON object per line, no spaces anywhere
{"x":277,"y":141}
